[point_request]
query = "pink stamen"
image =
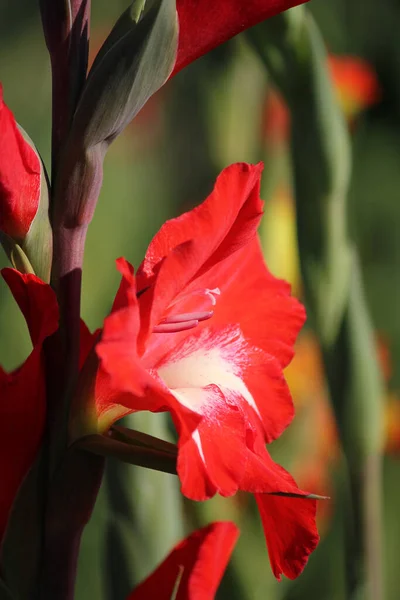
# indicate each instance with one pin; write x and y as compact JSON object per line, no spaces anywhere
{"x":175,"y":327}
{"x":184,"y":317}
{"x":184,"y":321}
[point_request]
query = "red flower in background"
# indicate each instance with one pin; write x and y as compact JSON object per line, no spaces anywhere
{"x":194,"y":568}
{"x":355,"y":83}
{"x":206,"y":24}
{"x":356,"y":87}
{"x":19,"y":177}
{"x":22,"y":392}
{"x":204,"y":331}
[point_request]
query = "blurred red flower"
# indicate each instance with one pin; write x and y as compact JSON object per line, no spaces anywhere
{"x":19,"y":177}
{"x":22,"y":392}
{"x":204,"y":331}
{"x":356,"y":88}
{"x":194,"y":568}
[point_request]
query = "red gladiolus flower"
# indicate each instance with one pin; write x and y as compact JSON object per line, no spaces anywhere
{"x":205,"y":24}
{"x":194,"y":568}
{"x":22,"y":392}
{"x":19,"y":177}
{"x":204,"y":331}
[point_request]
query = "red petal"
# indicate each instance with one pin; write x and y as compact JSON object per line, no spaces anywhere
{"x":37,"y":302}
{"x":117,"y":349}
{"x":22,"y":413}
{"x":214,"y":459}
{"x":196,"y":565}
{"x":290,"y":532}
{"x":189,"y":246}
{"x":19,"y":177}
{"x":289,"y":523}
{"x":123,"y":384}
{"x":22,"y":393}
{"x":224,"y":358}
{"x":259,"y":302}
{"x":205,"y":24}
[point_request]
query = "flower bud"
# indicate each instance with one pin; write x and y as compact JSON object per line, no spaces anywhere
{"x":19,"y":177}
{"x":133,"y":63}
{"x":25,"y":231}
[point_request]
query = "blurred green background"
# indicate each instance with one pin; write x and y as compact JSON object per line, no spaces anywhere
{"x":213,"y":113}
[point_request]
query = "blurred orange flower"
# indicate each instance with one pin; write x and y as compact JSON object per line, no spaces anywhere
{"x":356,"y":87}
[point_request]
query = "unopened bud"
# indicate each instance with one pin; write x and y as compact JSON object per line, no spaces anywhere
{"x":25,"y":231}
{"x":134,"y":62}
{"x":19,"y":177}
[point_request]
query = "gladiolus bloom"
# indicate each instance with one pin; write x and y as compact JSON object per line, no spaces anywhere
{"x":194,"y":568}
{"x":22,"y":392}
{"x":206,"y":24}
{"x":203,"y":331}
{"x":19,"y":177}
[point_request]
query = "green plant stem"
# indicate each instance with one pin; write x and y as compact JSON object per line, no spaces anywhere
{"x":66,"y":30}
{"x":73,"y":477}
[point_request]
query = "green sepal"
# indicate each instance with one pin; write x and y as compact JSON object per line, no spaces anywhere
{"x":135,"y":61}
{"x":38,"y":242}
{"x":16,"y":255}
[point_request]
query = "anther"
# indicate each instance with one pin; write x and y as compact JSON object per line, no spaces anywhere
{"x":184,"y":317}
{"x":175,"y":327}
{"x":182,"y":322}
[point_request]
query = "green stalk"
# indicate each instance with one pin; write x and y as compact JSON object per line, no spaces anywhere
{"x":292,"y":50}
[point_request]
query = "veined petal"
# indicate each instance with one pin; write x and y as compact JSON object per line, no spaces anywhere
{"x":194,"y":568}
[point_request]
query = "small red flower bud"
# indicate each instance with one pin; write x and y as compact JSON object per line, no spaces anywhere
{"x":19,"y":177}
